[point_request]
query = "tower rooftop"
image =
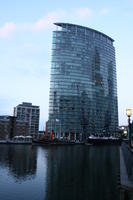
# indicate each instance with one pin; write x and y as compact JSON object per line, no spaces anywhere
{"x":61,"y":24}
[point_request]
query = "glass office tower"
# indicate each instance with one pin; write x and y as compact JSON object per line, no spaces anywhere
{"x":83,"y":87}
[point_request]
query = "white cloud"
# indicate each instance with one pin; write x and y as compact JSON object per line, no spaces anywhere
{"x":43,"y":23}
{"x":84,"y":12}
{"x":48,"y":20}
{"x":7,"y":29}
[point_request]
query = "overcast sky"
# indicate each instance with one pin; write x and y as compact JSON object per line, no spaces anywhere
{"x":26,"y":40}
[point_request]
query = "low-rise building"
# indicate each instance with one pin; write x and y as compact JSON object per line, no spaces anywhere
{"x":10,"y":126}
{"x":4,"y":127}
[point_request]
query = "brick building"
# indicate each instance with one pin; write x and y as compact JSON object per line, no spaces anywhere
{"x":10,"y":126}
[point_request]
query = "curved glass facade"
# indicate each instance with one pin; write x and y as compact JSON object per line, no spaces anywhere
{"x":83,"y":87}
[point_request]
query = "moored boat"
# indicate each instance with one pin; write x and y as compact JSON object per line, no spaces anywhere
{"x":104,"y":140}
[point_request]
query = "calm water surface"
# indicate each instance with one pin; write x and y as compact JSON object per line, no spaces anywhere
{"x":58,"y":173}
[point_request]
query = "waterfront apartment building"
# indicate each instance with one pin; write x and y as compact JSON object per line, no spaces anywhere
{"x":28,"y":113}
{"x":83,"y":85}
{"x":10,"y":127}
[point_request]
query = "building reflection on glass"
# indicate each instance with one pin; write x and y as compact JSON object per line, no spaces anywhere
{"x":82,"y":173}
{"x":20,"y":160}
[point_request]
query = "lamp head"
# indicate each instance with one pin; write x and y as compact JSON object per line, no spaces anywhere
{"x":128,"y":112}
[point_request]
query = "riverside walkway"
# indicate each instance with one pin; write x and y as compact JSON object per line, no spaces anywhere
{"x":126,"y":172}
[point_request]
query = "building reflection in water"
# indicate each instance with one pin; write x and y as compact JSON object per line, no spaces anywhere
{"x":20,"y":160}
{"x":56,"y":173}
{"x":82,"y":173}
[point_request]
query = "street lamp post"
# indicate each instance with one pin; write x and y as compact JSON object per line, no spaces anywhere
{"x":129,"y":113}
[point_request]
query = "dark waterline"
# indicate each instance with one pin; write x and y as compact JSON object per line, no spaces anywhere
{"x":59,"y":173}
